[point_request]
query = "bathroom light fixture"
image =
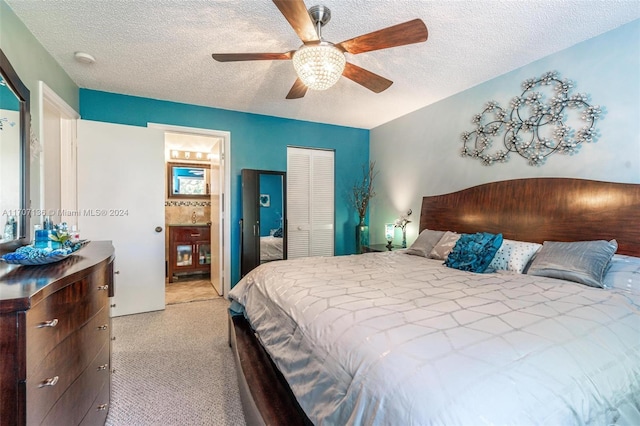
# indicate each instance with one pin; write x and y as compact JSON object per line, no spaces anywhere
{"x":84,"y":58}
{"x":189,"y":155}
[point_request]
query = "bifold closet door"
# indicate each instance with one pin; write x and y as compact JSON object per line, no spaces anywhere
{"x":310,"y":202}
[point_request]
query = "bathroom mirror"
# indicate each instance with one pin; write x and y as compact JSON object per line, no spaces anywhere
{"x":188,"y":180}
{"x":14,"y":158}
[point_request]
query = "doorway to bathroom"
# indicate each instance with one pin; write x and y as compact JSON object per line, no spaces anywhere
{"x":194,"y":215}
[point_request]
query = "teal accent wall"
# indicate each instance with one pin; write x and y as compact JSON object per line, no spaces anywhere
{"x":8,"y":99}
{"x":257,"y":142}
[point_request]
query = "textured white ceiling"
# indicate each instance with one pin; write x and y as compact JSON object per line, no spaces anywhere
{"x":162,"y":49}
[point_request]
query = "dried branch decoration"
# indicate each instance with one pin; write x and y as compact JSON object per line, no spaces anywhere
{"x":363,"y":191}
{"x":532,"y":128}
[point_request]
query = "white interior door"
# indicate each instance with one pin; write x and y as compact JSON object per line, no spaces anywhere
{"x":121,"y":198}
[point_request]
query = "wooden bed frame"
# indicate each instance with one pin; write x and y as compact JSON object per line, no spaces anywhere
{"x":542,"y":209}
{"x":534,"y":210}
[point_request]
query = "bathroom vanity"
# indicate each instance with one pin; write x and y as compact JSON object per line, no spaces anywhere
{"x":189,"y":250}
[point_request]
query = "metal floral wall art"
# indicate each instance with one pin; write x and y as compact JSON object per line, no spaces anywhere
{"x":534,"y":127}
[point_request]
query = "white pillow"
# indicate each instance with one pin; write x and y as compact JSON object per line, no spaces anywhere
{"x":441,"y":250}
{"x":623,"y":274}
{"x":513,"y":256}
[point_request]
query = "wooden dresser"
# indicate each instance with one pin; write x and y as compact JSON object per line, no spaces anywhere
{"x":55,"y":340}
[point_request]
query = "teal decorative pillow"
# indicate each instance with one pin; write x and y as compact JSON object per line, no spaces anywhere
{"x":474,"y":252}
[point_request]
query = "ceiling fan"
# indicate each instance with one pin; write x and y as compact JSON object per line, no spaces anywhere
{"x":319,"y":63}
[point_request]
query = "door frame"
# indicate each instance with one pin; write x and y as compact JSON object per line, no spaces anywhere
{"x":225,"y":205}
{"x":67,"y":139}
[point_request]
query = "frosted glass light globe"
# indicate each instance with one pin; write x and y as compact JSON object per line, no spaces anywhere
{"x":319,"y":66}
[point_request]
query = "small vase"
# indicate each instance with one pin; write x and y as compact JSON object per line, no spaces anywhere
{"x":362,"y":236}
{"x":404,"y":238}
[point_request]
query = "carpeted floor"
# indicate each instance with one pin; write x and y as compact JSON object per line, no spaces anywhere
{"x":174,"y":367}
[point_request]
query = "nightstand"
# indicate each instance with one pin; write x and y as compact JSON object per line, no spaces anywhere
{"x":373,"y":248}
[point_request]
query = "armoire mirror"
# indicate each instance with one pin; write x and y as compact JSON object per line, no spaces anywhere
{"x":14,"y":158}
{"x":264,"y":237}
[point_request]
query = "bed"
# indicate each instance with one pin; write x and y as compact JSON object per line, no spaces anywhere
{"x":270,"y":248}
{"x":393,"y":338}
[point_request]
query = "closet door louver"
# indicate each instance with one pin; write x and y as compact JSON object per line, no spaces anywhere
{"x":322,"y":208}
{"x":310,"y":202}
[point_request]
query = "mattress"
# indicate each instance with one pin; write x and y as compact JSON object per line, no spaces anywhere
{"x":390,"y":338}
{"x":270,"y":248}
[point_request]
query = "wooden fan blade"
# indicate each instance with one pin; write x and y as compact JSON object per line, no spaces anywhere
{"x":371,"y":81}
{"x":298,"y":90}
{"x":296,"y":13}
{"x":398,"y":35}
{"x":231,"y":57}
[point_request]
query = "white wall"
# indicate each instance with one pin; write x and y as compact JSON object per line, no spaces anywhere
{"x":419,"y":154}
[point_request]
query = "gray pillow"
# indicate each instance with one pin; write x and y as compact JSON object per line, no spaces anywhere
{"x":442,"y":249}
{"x":583,"y":262}
{"x":425,"y":242}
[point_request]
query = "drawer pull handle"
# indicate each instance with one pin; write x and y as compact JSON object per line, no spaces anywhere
{"x":101,"y":407}
{"x":51,"y":323}
{"x":103,"y":367}
{"x":103,"y":287}
{"x":49,"y":382}
{"x":113,"y":305}
{"x":195,"y":235}
{"x":103,"y":327}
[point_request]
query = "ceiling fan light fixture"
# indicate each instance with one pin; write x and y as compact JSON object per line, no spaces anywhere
{"x":319,"y":66}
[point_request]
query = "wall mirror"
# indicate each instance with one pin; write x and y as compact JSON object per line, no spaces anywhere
{"x":188,"y":180}
{"x":14,"y":158}
{"x":264,"y":236}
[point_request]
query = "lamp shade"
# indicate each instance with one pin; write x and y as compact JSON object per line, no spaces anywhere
{"x":389,"y":230}
{"x":319,"y":66}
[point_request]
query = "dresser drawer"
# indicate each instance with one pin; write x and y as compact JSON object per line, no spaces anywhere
{"x":79,"y":400}
{"x":97,"y":414}
{"x":188,"y":233}
{"x":60,"y":368}
{"x":54,"y":318}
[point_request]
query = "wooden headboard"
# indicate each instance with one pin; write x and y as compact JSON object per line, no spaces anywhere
{"x":542,"y":209}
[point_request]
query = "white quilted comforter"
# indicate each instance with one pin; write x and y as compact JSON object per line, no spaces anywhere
{"x":394,"y":339}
